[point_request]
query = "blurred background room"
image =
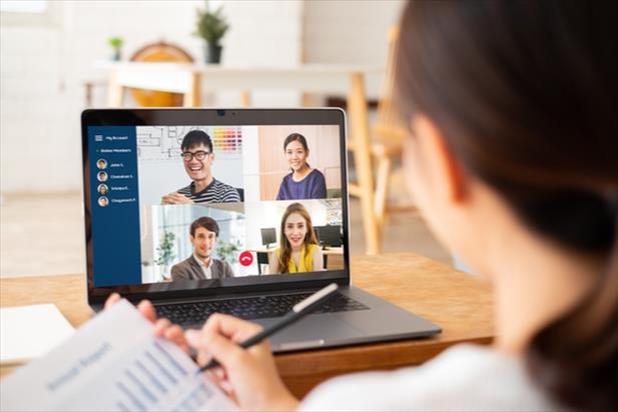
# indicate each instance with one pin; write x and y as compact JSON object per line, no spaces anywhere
{"x":60,"y":57}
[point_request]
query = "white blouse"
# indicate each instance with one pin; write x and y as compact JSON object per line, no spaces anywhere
{"x":463,"y":378}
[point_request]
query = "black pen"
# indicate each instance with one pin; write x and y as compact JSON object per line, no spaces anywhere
{"x":299,"y":310}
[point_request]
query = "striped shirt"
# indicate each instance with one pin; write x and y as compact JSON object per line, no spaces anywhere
{"x":215,"y":192}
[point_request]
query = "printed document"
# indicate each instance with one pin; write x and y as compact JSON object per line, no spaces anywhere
{"x":113,"y":363}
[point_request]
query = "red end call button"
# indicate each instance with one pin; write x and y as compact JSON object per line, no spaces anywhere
{"x":246,"y":258}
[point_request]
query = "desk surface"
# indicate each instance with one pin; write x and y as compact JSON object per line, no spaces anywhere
{"x":457,"y":302}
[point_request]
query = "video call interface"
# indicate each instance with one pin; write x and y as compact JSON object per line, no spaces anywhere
{"x":192,"y":203}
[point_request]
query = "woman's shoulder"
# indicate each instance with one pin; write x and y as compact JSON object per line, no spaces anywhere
{"x":312,"y":176}
{"x":317,"y":174}
{"x":465,"y":377}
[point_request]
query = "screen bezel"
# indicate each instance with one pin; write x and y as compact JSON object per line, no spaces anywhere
{"x":214,"y":117}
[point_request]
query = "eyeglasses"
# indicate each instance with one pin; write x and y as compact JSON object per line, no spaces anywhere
{"x":199,"y":155}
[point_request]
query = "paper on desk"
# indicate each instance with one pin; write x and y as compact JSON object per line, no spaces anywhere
{"x":113,"y":363}
{"x":27,"y":332}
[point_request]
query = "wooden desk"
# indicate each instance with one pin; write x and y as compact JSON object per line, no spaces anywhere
{"x":188,"y":79}
{"x":460,"y":304}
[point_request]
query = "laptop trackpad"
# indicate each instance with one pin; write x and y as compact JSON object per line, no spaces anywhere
{"x":310,"y":332}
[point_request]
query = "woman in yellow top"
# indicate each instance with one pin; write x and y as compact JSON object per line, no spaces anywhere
{"x":298,"y":249}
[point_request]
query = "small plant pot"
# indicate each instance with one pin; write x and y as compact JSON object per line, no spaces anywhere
{"x":116,"y":55}
{"x":212,"y":53}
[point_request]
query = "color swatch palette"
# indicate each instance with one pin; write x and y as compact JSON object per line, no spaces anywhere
{"x":227,"y":139}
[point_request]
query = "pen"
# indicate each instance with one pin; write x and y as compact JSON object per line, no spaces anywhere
{"x":299,"y":310}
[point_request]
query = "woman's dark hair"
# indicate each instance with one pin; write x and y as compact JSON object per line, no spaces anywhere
{"x":296,"y":137}
{"x":525,"y":95}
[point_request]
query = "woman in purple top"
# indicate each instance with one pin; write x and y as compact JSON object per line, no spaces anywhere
{"x":304,"y":182}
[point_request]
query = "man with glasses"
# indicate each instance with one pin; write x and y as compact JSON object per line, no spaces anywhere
{"x":197,"y":158}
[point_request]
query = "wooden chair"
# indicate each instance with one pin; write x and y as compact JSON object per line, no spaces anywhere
{"x":160,"y":52}
{"x":387,"y":136}
{"x":389,"y":133}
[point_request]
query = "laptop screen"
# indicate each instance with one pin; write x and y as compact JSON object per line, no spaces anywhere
{"x":174,"y":207}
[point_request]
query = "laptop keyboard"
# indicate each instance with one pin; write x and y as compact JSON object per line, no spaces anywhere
{"x":251,"y":308}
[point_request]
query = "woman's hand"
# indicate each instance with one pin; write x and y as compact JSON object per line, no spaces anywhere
{"x":249,"y":376}
{"x":162,"y":327}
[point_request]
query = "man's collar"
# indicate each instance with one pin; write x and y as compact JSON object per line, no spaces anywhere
{"x":201,"y":262}
{"x":192,"y":186}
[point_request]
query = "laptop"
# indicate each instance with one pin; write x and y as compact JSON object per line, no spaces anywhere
{"x":175,"y":203}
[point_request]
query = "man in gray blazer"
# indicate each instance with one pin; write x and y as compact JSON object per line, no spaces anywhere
{"x":201,"y":265}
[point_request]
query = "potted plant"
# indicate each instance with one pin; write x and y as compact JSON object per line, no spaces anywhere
{"x":116,"y":45}
{"x":227,"y":250}
{"x":165,"y":252}
{"x":211,"y":26}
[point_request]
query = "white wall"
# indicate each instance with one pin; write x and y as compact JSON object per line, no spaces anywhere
{"x":45,"y":61}
{"x":350,"y":32}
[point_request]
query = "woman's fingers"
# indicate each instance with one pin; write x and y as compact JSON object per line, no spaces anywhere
{"x":193,"y":340}
{"x":161,"y":325}
{"x":227,"y":387}
{"x":203,"y":357}
{"x":147,"y":309}
{"x":217,"y":375}
{"x":210,"y":343}
{"x":175,"y":334}
{"x":219,"y":338}
{"x":112,"y":299}
{"x":231,"y":327}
